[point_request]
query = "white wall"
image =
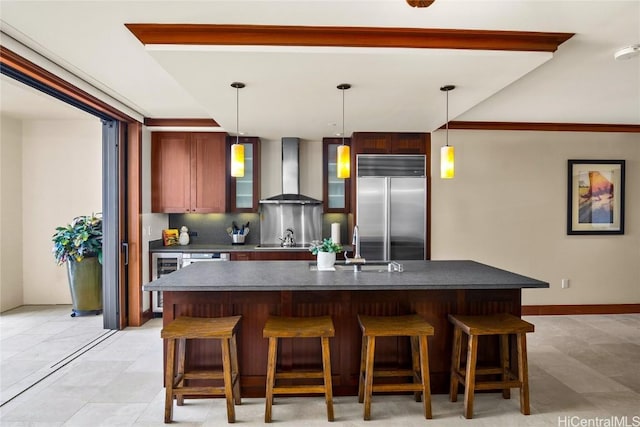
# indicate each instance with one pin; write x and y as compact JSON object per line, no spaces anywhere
{"x":10,"y":213}
{"x":311,"y":169}
{"x":506,"y":207}
{"x":61,"y":179}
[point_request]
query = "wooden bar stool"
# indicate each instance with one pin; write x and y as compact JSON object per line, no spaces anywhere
{"x":497,"y":324}
{"x":412,"y":326}
{"x":298,"y":327}
{"x":177,"y":377}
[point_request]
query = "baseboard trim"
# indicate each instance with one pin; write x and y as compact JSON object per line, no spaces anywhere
{"x":547,"y":310}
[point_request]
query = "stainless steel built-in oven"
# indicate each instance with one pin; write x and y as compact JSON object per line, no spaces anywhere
{"x":167,"y":262}
{"x":188,"y":258}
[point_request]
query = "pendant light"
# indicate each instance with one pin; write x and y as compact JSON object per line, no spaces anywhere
{"x":237,"y":149}
{"x":343,"y":155}
{"x":446,"y":152}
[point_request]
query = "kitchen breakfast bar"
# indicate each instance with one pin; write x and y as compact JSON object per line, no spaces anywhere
{"x":258,"y":289}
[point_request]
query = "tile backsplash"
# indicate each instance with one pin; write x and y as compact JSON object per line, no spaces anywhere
{"x":212,"y":228}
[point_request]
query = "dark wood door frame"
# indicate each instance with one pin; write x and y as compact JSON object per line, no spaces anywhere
{"x":130,"y":137}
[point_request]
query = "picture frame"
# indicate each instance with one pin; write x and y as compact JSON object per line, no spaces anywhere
{"x":170,"y":237}
{"x":595,"y":197}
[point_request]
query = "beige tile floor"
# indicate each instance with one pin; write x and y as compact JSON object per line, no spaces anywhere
{"x":61,"y":371}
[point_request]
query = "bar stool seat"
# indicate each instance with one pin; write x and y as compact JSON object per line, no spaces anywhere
{"x":298,"y":327}
{"x":177,"y":376}
{"x":497,"y":324}
{"x":418,"y":330}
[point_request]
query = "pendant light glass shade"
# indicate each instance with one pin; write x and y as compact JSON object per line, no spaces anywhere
{"x":237,"y":149}
{"x":447,"y":157}
{"x":237,"y":160}
{"x":446,"y":162}
{"x":344,"y":161}
{"x":343,"y":155}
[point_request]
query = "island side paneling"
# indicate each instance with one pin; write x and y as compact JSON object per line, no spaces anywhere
{"x":343,"y":306}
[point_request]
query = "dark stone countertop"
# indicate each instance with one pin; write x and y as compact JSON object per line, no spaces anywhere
{"x":297,"y":276}
{"x":156,"y":246}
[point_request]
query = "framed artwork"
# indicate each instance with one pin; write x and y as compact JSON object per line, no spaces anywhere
{"x":595,"y":197}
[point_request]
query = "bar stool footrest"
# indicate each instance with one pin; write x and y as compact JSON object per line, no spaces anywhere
{"x":204,"y":375}
{"x":512,"y":380}
{"x":299,"y":375}
{"x":386,"y":373}
{"x":397,"y":387}
{"x":298,"y":389}
{"x":199,"y":391}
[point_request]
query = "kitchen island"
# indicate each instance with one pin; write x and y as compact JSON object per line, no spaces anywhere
{"x":257,"y":289}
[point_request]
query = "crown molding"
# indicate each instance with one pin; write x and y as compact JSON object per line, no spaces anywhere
{"x":543,"y":127}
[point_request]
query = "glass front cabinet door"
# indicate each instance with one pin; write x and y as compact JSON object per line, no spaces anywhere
{"x":245,"y":191}
{"x":335,"y":191}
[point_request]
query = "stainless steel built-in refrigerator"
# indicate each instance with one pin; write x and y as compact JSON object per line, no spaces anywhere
{"x":391,"y":206}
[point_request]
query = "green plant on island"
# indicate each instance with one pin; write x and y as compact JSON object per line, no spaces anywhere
{"x":326,"y":245}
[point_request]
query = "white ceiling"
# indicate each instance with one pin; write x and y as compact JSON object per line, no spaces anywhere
{"x":292,"y":91}
{"x":26,"y":103}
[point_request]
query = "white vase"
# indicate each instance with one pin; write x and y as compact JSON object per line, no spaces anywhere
{"x":184,"y":236}
{"x":326,"y":260}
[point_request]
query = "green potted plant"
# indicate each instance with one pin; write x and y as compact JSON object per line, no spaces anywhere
{"x":326,"y":251}
{"x":79,"y":245}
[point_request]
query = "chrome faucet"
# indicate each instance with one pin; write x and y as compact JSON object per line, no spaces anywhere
{"x":355,"y":241}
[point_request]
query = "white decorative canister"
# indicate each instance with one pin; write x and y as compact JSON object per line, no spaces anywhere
{"x":184,"y":236}
{"x":326,"y":260}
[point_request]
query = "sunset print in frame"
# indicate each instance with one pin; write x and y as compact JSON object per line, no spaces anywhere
{"x":595,"y":197}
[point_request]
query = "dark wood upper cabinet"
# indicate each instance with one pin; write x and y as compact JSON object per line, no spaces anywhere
{"x":371,"y":143}
{"x":409,"y":143}
{"x":335,"y":191}
{"x":188,"y":172}
{"x":244,"y":193}
{"x":390,"y":142}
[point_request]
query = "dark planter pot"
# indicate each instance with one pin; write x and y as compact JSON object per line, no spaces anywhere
{"x":85,"y":284}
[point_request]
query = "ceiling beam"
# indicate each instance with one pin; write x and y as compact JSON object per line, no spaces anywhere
{"x":385,"y":37}
{"x":185,"y":122}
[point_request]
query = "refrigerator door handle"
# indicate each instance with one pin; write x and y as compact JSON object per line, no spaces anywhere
{"x":387,"y":217}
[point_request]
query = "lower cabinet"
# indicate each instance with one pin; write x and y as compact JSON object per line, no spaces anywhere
{"x":283,"y":255}
{"x":240,"y":256}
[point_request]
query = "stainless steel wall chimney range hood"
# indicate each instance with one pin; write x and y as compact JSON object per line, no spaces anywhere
{"x":290,"y":213}
{"x":291,"y":176}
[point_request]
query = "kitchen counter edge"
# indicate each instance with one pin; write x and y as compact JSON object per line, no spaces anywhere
{"x":296,"y":276}
{"x":157,"y":247}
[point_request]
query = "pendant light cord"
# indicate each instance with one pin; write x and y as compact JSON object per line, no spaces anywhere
{"x":237,"y":86}
{"x":343,"y":87}
{"x":446,"y":89}
{"x":237,"y":114}
{"x":447,"y":123}
{"x":343,"y":117}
